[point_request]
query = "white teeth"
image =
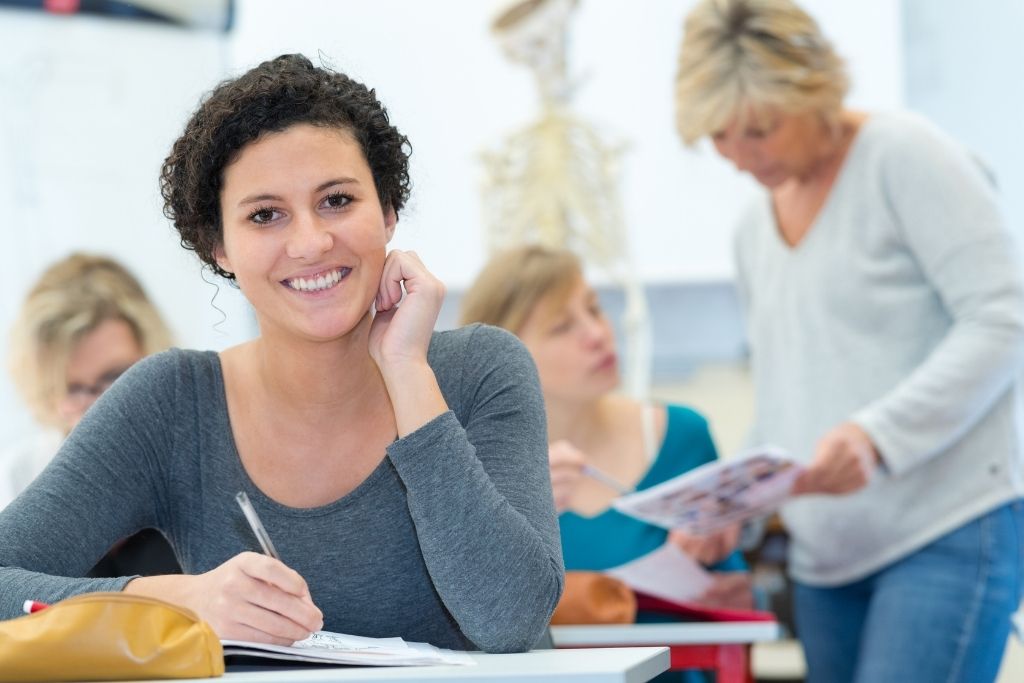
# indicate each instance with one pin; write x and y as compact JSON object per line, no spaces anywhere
{"x":320,"y":282}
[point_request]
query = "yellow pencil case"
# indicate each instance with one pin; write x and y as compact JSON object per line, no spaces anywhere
{"x":108,"y":636}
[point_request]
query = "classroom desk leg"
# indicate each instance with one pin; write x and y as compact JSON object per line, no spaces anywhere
{"x":730,"y":662}
{"x":733,"y":665}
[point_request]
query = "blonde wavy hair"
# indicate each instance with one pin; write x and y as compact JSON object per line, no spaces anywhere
{"x":740,"y":57}
{"x":515,"y":282}
{"x":72,"y":298}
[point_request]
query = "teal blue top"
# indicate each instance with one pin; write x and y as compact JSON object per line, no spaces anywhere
{"x":612,"y":538}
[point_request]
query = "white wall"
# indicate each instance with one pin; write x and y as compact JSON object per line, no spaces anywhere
{"x":90,"y":107}
{"x":965,"y":71}
{"x":452,"y":92}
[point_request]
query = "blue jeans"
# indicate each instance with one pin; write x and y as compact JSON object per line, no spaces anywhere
{"x":940,"y":615}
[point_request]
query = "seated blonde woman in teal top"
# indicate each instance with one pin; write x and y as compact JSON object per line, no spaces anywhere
{"x":686,"y":444}
{"x":541,"y":296}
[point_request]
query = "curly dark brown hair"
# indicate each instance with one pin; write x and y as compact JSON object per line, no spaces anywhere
{"x":276,"y":94}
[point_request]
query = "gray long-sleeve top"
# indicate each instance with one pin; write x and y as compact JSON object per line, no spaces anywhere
{"x":902,"y":310}
{"x":452,"y":540}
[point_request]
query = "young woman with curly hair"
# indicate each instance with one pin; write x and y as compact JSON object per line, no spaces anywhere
{"x":401,"y":474}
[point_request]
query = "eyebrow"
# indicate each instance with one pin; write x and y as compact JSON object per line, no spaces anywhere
{"x":252,"y":199}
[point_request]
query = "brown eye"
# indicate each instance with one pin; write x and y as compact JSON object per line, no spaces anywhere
{"x":337,"y":200}
{"x":262,"y":215}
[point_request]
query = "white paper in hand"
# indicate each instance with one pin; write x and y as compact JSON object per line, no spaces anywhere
{"x":666,"y":573}
{"x":715,"y":495}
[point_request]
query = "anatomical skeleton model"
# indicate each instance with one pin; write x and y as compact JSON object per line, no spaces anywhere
{"x":555,"y":181}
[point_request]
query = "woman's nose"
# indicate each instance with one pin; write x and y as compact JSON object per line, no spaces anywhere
{"x":736,"y":151}
{"x":308,"y":238}
{"x":594,"y":331}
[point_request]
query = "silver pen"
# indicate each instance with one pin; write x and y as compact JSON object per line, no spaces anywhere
{"x":257,"y":526}
{"x":606,"y":479}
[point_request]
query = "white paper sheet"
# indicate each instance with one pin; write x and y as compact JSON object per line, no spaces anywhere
{"x":667,"y":573}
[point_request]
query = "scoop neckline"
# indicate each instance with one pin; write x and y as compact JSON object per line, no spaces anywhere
{"x":254,"y":491}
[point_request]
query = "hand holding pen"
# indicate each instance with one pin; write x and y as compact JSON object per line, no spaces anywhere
{"x":251,"y":596}
{"x":568,"y":466}
{"x":256,"y":596}
{"x":566,"y":463}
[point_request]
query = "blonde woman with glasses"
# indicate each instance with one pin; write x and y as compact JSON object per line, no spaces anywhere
{"x":85,"y":321}
{"x":885,"y":314}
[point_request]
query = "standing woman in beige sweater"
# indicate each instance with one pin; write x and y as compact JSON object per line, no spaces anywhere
{"x":885,"y":314}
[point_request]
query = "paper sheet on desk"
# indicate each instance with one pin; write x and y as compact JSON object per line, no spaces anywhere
{"x":667,"y":573}
{"x":715,"y":495}
{"x":326,"y":647}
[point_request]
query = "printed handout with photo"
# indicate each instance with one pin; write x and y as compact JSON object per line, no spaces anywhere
{"x":717,"y":494}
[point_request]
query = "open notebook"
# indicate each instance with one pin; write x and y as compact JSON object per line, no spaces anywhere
{"x":325,"y":647}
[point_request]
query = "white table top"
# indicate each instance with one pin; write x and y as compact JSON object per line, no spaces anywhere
{"x":688,"y":633}
{"x":604,"y":665}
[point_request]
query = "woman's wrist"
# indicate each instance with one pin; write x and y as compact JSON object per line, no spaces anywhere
{"x":171,"y":588}
{"x":397,"y":366}
{"x":415,"y":395}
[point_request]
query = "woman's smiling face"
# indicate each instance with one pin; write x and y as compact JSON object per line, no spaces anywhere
{"x":304,"y":231}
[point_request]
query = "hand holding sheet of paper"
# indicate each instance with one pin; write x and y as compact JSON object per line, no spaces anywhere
{"x":844,"y":461}
{"x":707,"y":548}
{"x":666,"y":573}
{"x":729,"y":590}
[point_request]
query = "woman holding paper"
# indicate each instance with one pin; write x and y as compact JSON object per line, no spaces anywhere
{"x":601,"y":443}
{"x":396,"y":470}
{"x":885,"y":313}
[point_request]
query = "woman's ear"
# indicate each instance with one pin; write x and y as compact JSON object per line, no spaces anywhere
{"x":390,"y":221}
{"x":221,"y":257}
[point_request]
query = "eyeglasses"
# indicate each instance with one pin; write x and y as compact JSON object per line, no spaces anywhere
{"x":87,"y":393}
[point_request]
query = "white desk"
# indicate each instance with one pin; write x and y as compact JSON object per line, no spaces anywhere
{"x":612,"y":665}
{"x":691,"y":633}
{"x":722,"y":647}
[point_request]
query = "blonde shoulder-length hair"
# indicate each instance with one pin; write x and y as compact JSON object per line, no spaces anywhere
{"x":72,"y":298}
{"x":516,"y":282}
{"x":739,"y":57}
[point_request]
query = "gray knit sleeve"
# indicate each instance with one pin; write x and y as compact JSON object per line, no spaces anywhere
{"x":949,"y":219}
{"x":102,"y":486}
{"x":479,"y":494}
